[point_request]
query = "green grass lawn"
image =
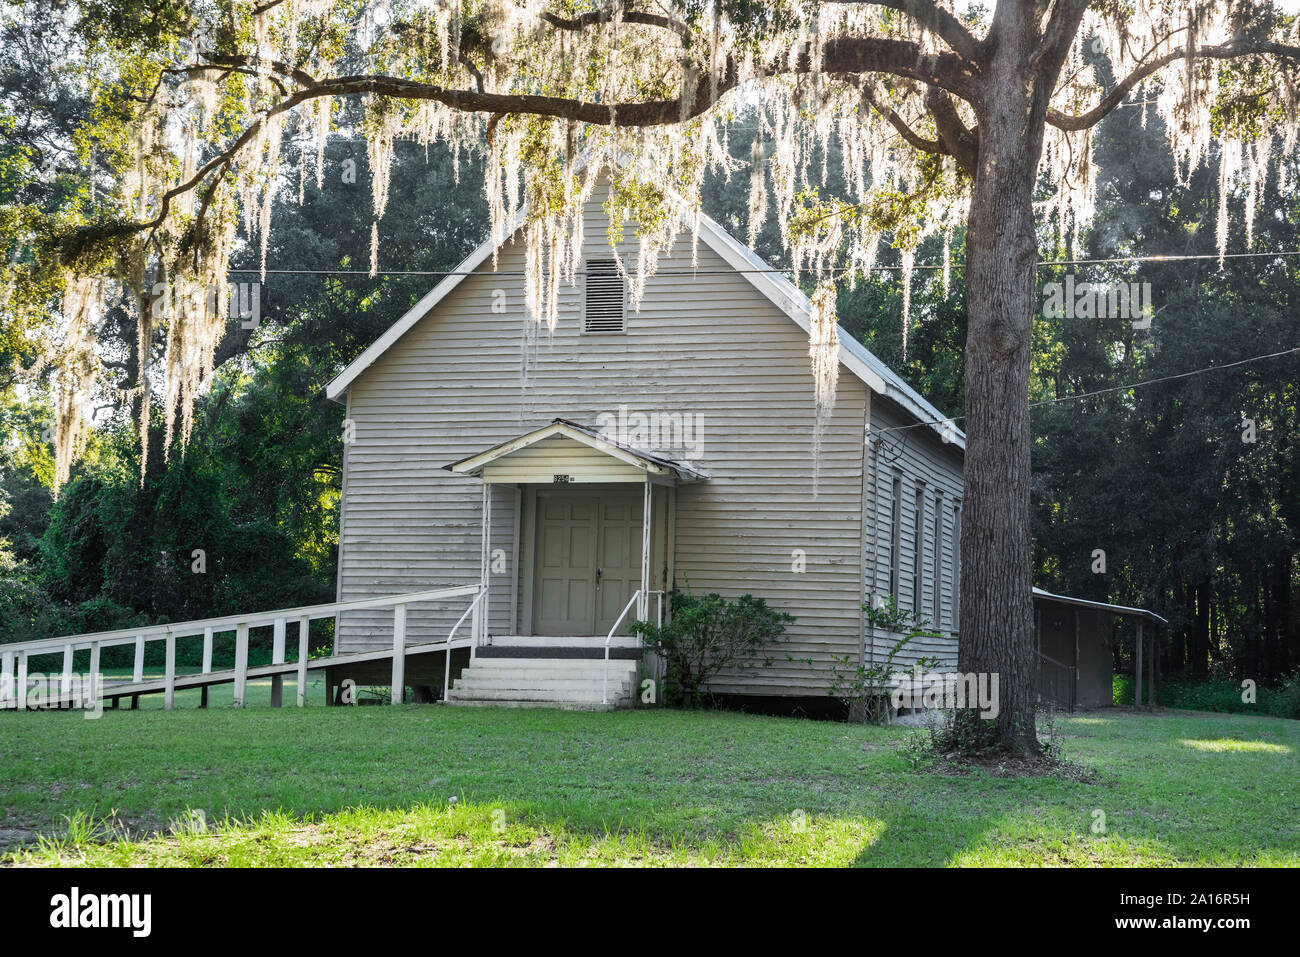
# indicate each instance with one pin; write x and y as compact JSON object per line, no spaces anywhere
{"x":430,"y":785}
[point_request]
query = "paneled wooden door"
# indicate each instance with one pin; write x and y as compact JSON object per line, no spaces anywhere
{"x":588,"y":561}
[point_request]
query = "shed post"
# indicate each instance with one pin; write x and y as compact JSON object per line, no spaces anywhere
{"x":1074,"y":684}
{"x":1137,"y":674}
{"x":1155,"y":664}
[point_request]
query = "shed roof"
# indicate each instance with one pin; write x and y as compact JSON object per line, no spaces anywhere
{"x":1123,"y":610}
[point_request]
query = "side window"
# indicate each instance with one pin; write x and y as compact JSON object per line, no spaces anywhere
{"x":895,"y":532}
{"x":918,"y":549}
{"x":956,"y":567}
{"x":936,"y":567}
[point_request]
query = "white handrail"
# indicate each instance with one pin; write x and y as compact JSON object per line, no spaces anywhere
{"x":183,"y":629}
{"x":604,"y":685}
{"x":604,"y":689}
{"x":446,"y":674}
{"x":14,"y":659}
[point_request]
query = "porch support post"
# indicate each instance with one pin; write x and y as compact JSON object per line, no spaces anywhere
{"x":485,"y":569}
{"x":643,"y":604}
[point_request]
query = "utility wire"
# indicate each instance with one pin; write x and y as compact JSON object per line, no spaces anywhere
{"x":1115,"y":388}
{"x":955,"y":267}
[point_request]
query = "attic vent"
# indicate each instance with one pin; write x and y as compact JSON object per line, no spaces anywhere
{"x":606,"y":298}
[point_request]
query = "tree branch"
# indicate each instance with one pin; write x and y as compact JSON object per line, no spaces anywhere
{"x":845,"y":55}
{"x":913,"y":138}
{"x":938,"y":21}
{"x":962,"y":143}
{"x":1226,"y":51}
{"x":606,"y":15}
{"x":1059,"y":36}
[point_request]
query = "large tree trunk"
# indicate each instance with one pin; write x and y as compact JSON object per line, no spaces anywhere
{"x":1001,"y":255}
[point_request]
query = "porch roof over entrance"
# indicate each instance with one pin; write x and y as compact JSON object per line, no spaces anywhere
{"x":567,"y":452}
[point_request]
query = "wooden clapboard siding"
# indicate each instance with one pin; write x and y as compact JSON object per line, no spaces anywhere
{"x":921,"y":457}
{"x":475,"y":372}
{"x":706,"y":345}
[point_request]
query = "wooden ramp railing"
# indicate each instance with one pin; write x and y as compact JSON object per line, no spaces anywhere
{"x":15,"y":658}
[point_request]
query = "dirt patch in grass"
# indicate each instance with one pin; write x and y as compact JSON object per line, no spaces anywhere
{"x":1012,"y":766}
{"x":11,"y":837}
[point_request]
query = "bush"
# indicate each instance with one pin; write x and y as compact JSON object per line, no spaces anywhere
{"x":1285,"y":701}
{"x":708,"y":634}
{"x":864,"y":690}
{"x":1218,"y":693}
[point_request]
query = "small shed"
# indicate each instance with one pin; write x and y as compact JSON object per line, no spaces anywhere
{"x":1074,"y":641}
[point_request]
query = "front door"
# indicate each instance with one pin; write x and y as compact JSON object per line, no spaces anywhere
{"x":619,"y":571}
{"x":588,"y":562}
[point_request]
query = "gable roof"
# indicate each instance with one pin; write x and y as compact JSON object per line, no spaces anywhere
{"x":591,"y":438}
{"x":782,"y":293}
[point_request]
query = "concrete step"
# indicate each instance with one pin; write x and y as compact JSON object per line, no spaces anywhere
{"x":545,"y":683}
{"x":476,"y":682}
{"x":547,"y":696}
{"x":558,"y":705}
{"x":553,"y":667}
{"x":552,"y":641}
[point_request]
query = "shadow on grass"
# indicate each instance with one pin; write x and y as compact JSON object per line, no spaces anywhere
{"x":376,"y":786}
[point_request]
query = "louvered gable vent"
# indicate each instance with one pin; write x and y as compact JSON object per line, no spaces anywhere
{"x":606,"y":298}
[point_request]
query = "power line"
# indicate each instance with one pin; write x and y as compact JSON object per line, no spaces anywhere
{"x":1167,"y":259}
{"x":955,"y":267}
{"x":1115,"y":388}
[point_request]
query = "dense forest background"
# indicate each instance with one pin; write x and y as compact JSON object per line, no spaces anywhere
{"x":1187,"y":484}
